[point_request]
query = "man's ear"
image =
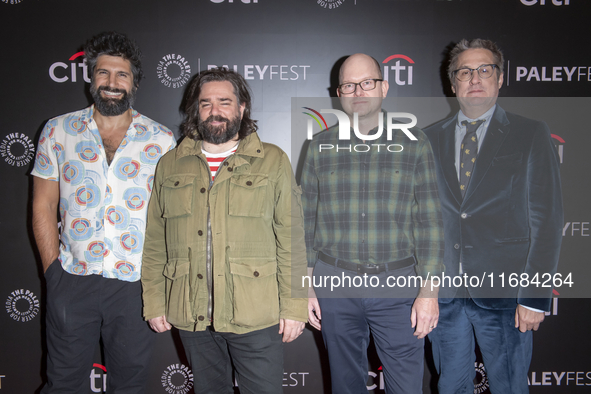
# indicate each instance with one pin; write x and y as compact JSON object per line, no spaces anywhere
{"x":385,"y":87}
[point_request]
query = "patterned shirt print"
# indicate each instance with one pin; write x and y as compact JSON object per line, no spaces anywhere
{"x":102,"y":207}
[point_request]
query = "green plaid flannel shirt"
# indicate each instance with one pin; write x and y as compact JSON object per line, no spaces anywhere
{"x":375,"y":206}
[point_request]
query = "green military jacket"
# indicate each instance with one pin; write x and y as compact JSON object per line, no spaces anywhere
{"x":256,"y":248}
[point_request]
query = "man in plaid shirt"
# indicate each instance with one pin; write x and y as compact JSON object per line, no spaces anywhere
{"x":371,"y":216}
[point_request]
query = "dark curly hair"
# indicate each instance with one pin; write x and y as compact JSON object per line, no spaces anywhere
{"x":115,"y":44}
{"x":241,"y":91}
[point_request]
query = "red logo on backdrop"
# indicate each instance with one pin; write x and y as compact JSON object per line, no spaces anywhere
{"x":559,"y":142}
{"x":76,"y":70}
{"x":98,"y":381}
{"x":401,"y":66}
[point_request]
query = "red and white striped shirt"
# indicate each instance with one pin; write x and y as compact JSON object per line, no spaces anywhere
{"x":215,"y":159}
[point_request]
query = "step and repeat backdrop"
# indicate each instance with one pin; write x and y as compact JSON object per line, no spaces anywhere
{"x":290,"y":49}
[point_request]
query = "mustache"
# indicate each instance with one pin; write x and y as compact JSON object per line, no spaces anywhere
{"x":216,"y":118}
{"x":110,"y":90}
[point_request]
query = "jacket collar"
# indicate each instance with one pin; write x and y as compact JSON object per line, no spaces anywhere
{"x":251,"y":145}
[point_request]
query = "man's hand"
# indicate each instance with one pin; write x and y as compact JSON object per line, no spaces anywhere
{"x":425,"y":310}
{"x":291,"y":329}
{"x":526,"y":319}
{"x":424,"y":316}
{"x":159,"y":324}
{"x":314,"y":315}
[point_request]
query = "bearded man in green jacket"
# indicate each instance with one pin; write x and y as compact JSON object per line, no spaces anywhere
{"x":224,"y":243}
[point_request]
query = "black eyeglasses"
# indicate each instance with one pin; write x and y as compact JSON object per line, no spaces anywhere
{"x":350,"y":87}
{"x":465,"y":74}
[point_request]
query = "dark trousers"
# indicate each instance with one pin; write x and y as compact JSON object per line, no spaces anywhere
{"x":257,"y":358}
{"x":347,"y":324}
{"x":506,"y":351}
{"x":80,"y":311}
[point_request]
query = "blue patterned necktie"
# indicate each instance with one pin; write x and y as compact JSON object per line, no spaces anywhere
{"x":468,"y":153}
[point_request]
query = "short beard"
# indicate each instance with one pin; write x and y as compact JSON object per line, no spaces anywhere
{"x":218,"y":135}
{"x":109,"y":106}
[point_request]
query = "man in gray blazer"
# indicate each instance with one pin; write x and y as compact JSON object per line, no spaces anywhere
{"x":501,"y":200}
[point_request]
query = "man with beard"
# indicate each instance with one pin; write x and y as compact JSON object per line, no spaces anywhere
{"x":223,"y":242}
{"x":97,"y":165}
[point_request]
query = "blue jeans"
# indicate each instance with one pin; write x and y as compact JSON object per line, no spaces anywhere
{"x":506,"y":351}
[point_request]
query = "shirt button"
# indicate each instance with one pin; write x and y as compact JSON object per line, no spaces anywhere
{"x":249,"y":183}
{"x":202,"y":190}
{"x":363,"y":214}
{"x":176,"y":183}
{"x":464,"y":215}
{"x":200,"y":276}
{"x":456,"y":246}
{"x":256,"y":274}
{"x":200,"y":318}
{"x":200,"y":232}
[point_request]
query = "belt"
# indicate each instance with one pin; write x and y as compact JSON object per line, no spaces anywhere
{"x":366,"y":268}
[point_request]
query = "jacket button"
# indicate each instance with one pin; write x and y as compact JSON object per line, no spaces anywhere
{"x":258,"y":151}
{"x":200,"y":232}
{"x":200,"y":276}
{"x":225,"y":163}
{"x":256,"y":274}
{"x":176,"y":183}
{"x":202,"y":190}
{"x":200,"y":318}
{"x":230,"y":169}
{"x":456,"y":246}
{"x":249,"y":183}
{"x":464,"y":215}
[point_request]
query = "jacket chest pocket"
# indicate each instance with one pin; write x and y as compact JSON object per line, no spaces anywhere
{"x":255,"y":294}
{"x":177,"y":196}
{"x":247,"y":195}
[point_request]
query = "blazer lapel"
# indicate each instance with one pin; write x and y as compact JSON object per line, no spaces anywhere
{"x":497,"y":131}
{"x":447,"y":154}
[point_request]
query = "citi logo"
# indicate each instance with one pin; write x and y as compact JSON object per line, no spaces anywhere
{"x":559,"y":143}
{"x":402,"y":73}
{"x":554,"y":310}
{"x":543,"y":2}
{"x":98,"y":381}
{"x":231,"y":1}
{"x":61,"y":72}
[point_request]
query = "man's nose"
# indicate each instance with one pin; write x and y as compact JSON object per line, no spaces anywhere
{"x":475,"y":78}
{"x":358,"y":91}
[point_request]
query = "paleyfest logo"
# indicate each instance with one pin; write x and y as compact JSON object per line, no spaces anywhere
{"x":17,"y":149}
{"x":345,"y":130}
{"x":22,"y":305}
{"x":330,"y":4}
{"x":177,"y":379}
{"x":173,"y":70}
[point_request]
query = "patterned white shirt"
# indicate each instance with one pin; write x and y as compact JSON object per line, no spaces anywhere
{"x":102,"y":207}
